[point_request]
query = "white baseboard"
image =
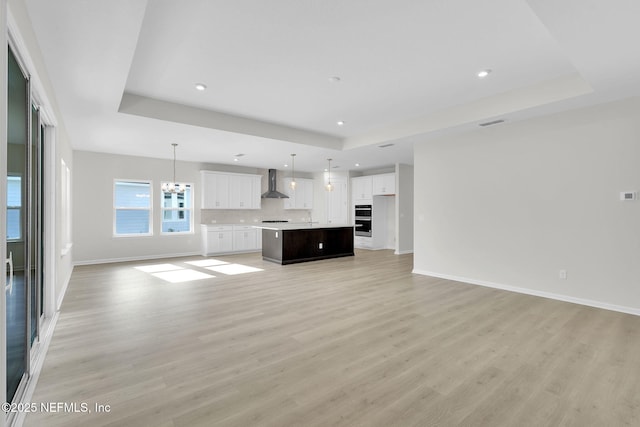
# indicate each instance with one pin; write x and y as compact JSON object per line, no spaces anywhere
{"x":527,"y":291}
{"x":135,"y":258}
{"x":409,"y":251}
{"x":64,"y":290}
{"x":37,"y":364}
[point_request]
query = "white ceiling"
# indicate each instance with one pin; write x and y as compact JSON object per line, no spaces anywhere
{"x":124,"y":72}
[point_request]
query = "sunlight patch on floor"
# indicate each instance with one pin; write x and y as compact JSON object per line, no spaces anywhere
{"x":176,"y":274}
{"x":158,"y":267}
{"x":232,"y":269}
{"x":184,"y":275}
{"x":206,"y":262}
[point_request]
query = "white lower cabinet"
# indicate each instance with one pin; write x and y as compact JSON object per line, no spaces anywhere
{"x":217,"y":239}
{"x":230,"y":238}
{"x":245,"y":238}
{"x":362,"y":242}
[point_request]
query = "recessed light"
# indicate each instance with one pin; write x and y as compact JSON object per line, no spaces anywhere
{"x":484,"y":73}
{"x":201,"y":86}
{"x":357,"y":164}
{"x":340,"y":123}
{"x":235,"y":160}
{"x":286,"y":165}
{"x":334,"y":79}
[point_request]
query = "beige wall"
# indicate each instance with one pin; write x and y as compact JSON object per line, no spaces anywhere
{"x":512,"y":205}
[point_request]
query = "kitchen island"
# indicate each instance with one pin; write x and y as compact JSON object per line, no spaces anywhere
{"x":292,"y":243}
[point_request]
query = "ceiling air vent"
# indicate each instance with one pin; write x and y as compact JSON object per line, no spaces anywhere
{"x":494,"y":122}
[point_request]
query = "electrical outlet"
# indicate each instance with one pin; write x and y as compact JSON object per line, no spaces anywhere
{"x":562,"y":274}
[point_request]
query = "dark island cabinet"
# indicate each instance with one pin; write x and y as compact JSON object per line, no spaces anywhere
{"x":306,"y":244}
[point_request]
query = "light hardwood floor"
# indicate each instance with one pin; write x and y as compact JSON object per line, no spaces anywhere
{"x":355,"y":341}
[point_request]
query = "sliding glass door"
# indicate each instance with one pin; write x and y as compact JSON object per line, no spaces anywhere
{"x":24,"y":227}
{"x":18,"y":106}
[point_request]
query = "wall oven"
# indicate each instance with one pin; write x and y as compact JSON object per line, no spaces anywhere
{"x":363,"y":220}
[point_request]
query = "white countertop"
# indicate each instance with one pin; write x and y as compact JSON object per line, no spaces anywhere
{"x":298,"y":225}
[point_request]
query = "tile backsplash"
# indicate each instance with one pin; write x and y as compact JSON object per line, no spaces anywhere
{"x":272,"y":209}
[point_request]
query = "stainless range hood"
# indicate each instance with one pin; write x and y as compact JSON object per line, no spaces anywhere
{"x":272,"y":193}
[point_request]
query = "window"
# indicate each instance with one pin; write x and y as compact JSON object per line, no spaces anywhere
{"x":132,"y":208}
{"x":177,"y":212}
{"x":14,"y":208}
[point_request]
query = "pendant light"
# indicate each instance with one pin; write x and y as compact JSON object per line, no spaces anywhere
{"x":329,"y":186}
{"x":173,"y":187}
{"x":292,"y":184}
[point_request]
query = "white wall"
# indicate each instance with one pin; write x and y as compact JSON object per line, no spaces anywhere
{"x":391,"y":223}
{"x":511,"y":205}
{"x":93,"y":179}
{"x":404,"y":209}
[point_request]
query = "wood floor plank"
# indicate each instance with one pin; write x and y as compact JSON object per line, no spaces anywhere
{"x":341,"y":342}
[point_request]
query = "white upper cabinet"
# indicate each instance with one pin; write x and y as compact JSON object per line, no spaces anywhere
{"x":244,"y":192}
{"x":301,"y":197}
{"x":221,"y":190}
{"x":214,"y":190}
{"x":384,"y":184}
{"x":361,"y":188}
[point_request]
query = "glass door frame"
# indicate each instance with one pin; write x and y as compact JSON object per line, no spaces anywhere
{"x":47,"y":306}
{"x":25,"y":232}
{"x":36,"y":220}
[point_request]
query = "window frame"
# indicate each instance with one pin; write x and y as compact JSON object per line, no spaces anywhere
{"x":164,"y":210}
{"x":149,"y":183}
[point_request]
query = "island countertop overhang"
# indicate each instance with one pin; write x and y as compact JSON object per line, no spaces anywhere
{"x":300,"y":226}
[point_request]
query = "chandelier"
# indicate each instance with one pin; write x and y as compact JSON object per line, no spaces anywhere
{"x":173,"y":187}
